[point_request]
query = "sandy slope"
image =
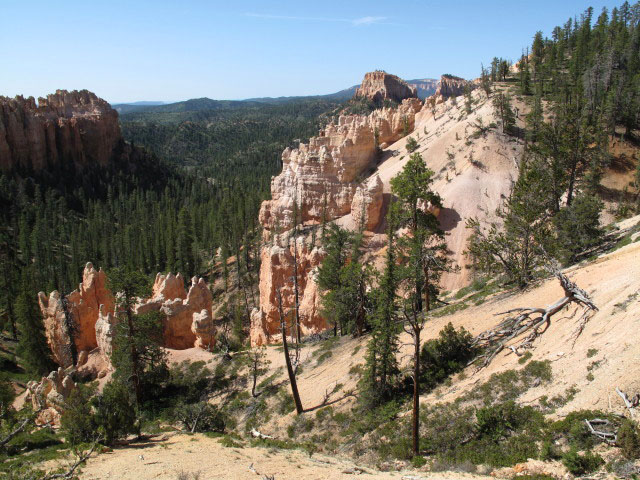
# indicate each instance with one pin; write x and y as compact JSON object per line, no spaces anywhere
{"x":203,"y":455}
{"x":469,"y":189}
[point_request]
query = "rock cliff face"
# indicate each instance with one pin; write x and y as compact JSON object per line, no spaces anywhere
{"x":276,"y":271}
{"x":379,"y":86}
{"x":323,"y":175}
{"x":451,"y":86}
{"x":87,"y":315}
{"x":75,"y":315}
{"x":178,"y":308}
{"x":65,"y":126}
{"x":425,"y":87}
{"x":324,"y":180}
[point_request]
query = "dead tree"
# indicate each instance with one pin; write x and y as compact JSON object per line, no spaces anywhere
{"x":258,"y":367}
{"x":20,"y":428}
{"x":292,"y":375}
{"x":533,"y":321}
{"x":81,"y":457}
{"x":629,"y":403}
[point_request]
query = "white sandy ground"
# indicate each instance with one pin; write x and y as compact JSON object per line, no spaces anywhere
{"x":614,"y":330}
{"x":204,"y":455}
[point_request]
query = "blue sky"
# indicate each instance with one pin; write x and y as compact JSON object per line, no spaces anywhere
{"x":174,"y":50}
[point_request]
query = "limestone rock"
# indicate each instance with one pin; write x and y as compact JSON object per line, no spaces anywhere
{"x":75,"y":316}
{"x":72,"y":126}
{"x":203,"y":327}
{"x":449,"y":86}
{"x":88,"y":315}
{"x":178,"y":307}
{"x":180,"y":312}
{"x":366,"y":207}
{"x":379,"y":86}
{"x":276,"y":271}
{"x":49,"y":395}
{"x":105,"y":330}
{"x":323,"y":178}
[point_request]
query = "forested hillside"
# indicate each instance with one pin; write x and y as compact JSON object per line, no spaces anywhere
{"x":232,"y":137}
{"x":156,"y":212}
{"x":582,"y":89}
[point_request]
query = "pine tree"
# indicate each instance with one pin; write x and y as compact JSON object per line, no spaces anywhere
{"x":32,"y":343}
{"x":382,"y":369}
{"x":137,"y":354}
{"x":516,"y":246}
{"x":412,"y":186}
{"x":503,"y":109}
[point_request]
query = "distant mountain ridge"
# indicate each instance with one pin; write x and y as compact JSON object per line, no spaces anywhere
{"x":425,"y":87}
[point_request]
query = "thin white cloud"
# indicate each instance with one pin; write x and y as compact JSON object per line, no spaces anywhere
{"x":368,"y":20}
{"x":356,"y":22}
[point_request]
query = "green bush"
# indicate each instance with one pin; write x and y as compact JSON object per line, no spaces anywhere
{"x":78,"y":421}
{"x":499,"y":421}
{"x":28,"y":441}
{"x":418,"y":461}
{"x":629,"y":440}
{"x":575,"y":430}
{"x":581,"y":464}
{"x":412,"y":145}
{"x":115,"y":411}
{"x":445,"y":355}
{"x":200,"y":417}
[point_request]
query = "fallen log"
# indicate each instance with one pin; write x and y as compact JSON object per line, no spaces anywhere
{"x":533,"y":321}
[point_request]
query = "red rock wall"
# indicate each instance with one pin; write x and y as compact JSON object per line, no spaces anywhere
{"x":66,"y":126}
{"x":91,"y":308}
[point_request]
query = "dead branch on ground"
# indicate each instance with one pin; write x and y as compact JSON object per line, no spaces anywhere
{"x":82,"y":457}
{"x":533,"y":321}
{"x":595,"y":427}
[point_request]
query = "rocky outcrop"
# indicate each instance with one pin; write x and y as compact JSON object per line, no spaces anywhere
{"x":379,"y":86}
{"x":87,"y":316}
{"x":49,"y":395}
{"x":323,"y":175}
{"x":65,"y":126}
{"x":366,"y":207}
{"x":73,"y":318}
{"x":105,"y":330}
{"x":204,"y":328}
{"x":178,"y":311}
{"x":276,"y":271}
{"x":425,"y":87}
{"x":450,"y":86}
{"x":323,"y":180}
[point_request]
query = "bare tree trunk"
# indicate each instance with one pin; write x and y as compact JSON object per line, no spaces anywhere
{"x":361,"y":313}
{"x":295,"y":288}
{"x":134,"y":357}
{"x":292,"y":376}
{"x":255,"y":376}
{"x":416,"y":389}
